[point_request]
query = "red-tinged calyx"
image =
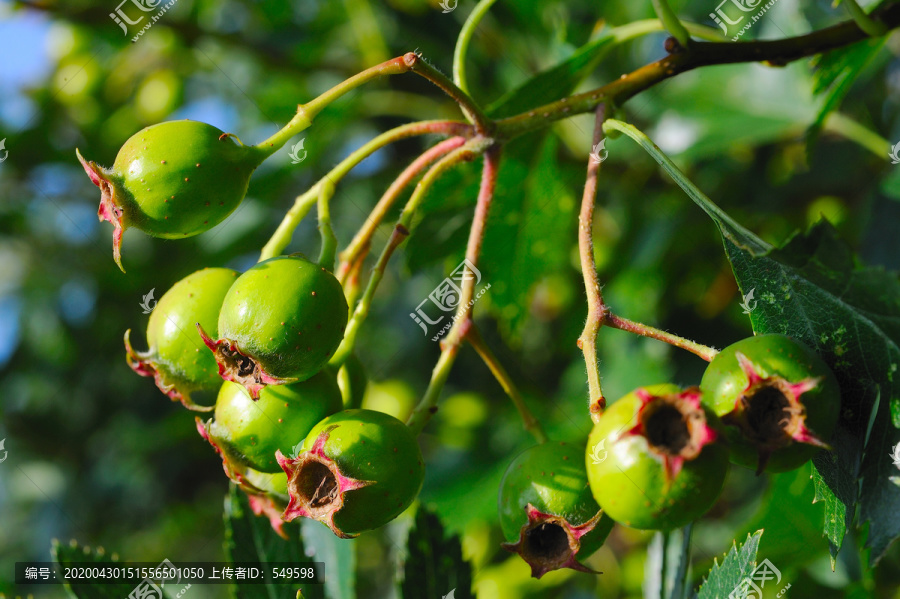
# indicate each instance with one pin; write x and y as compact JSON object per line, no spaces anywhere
{"x":110,"y":203}
{"x":144,"y":364}
{"x":238,"y":367}
{"x":316,"y":485}
{"x":674,"y":426}
{"x":547,"y":542}
{"x":263,"y":505}
{"x":770,"y":412}
{"x":234,"y":471}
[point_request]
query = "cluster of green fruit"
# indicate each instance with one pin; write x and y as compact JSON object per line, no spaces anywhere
{"x":287,"y":422}
{"x":261,"y":340}
{"x":657,"y":458}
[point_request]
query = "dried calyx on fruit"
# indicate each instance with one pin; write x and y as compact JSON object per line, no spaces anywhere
{"x":357,"y":470}
{"x":779,"y":401}
{"x":654,"y":461}
{"x":173,"y":180}
{"x":280,"y":323}
{"x":247,"y":433}
{"x":177,"y":358}
{"x":547,"y":512}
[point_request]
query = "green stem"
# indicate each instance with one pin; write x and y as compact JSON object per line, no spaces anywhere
{"x":462,"y":43}
{"x":307,"y":112}
{"x":462,"y":324}
{"x":699,"y":54}
{"x":596,"y":308}
{"x":483,"y":125}
{"x":358,"y":247}
{"x":531,"y":424}
{"x":671,"y":22}
{"x":303,"y":203}
{"x":329,"y":241}
{"x":864,"y":21}
{"x":845,"y":126}
{"x":428,"y":405}
{"x":623,"y":324}
{"x":401,"y":231}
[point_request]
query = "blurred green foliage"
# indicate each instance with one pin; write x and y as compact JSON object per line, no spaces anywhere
{"x":98,"y":454}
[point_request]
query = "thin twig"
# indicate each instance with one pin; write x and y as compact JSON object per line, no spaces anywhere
{"x":531,"y":424}
{"x":596,"y":308}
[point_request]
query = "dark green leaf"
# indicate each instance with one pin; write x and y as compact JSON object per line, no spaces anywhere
{"x":837,"y":71}
{"x":338,"y":555}
{"x":739,"y":563}
{"x":434,"y":566}
{"x":65,"y":555}
{"x":249,"y":538}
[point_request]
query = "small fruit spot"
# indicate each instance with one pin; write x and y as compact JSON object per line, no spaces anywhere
{"x":313,"y":292}
{"x":546,"y":540}
{"x":187,"y":179}
{"x":162,"y":161}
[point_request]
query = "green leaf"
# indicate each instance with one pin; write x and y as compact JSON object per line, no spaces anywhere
{"x":337,"y":554}
{"x":739,"y":563}
{"x":66,"y":555}
{"x":249,"y":538}
{"x":837,"y":71}
{"x":434,"y":566}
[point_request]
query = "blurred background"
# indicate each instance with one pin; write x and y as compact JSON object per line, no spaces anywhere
{"x":95,"y":453}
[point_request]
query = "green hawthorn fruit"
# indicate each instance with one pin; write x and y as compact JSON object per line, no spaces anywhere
{"x":653,"y":461}
{"x":173,"y":180}
{"x":249,"y":432}
{"x":357,"y":470}
{"x":778,"y":400}
{"x":177,"y":358}
{"x":280,"y":322}
{"x":547,"y":512}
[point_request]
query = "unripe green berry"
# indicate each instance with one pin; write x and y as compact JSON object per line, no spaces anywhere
{"x":177,"y":358}
{"x":357,"y":470}
{"x":653,"y":461}
{"x":250,"y":432}
{"x":547,"y":512}
{"x":778,"y":399}
{"x":173,"y":180}
{"x":280,"y":322}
